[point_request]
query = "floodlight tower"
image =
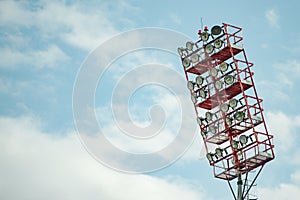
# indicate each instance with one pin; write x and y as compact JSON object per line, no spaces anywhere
{"x":229,"y":111}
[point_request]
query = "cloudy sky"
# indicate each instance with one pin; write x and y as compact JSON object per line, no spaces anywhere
{"x":52,"y":51}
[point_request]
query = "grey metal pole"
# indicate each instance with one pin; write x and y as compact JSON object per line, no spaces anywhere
{"x":240,"y":187}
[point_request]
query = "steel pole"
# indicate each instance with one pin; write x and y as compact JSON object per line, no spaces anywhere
{"x":240,"y":187}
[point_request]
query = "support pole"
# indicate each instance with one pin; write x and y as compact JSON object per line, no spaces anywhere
{"x":240,"y":187}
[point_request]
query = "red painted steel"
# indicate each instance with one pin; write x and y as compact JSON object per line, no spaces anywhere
{"x":234,"y":155}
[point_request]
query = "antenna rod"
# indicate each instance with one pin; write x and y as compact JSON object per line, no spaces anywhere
{"x":201,"y":23}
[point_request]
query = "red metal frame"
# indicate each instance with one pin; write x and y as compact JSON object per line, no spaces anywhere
{"x":259,"y":150}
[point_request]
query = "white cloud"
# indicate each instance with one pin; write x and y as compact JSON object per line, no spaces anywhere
{"x":76,"y":24}
{"x":175,"y":18}
{"x":290,"y":68}
{"x":81,"y":28}
{"x":49,"y":57}
{"x":273,"y":18}
{"x":283,"y":127}
{"x":283,"y":191}
{"x":52,"y":24}
{"x":285,"y":79}
{"x":136,"y":89}
{"x":14,"y":13}
{"x":296,"y":177}
{"x":163,"y":127}
{"x":23,"y":91}
{"x":41,"y":165}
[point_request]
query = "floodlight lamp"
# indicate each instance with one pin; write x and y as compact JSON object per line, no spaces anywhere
{"x":218,"y":43}
{"x":200,"y":121}
{"x":229,"y":79}
{"x":243,"y":139}
{"x":224,"y":107}
{"x":209,"y":48}
{"x":204,"y":36}
{"x":228,"y":121}
{"x":180,"y":51}
{"x":208,"y":116}
{"x":240,"y":156}
{"x":204,"y":134}
{"x":202,"y":94}
{"x":223,"y":66}
{"x":233,"y":160}
{"x":234,"y":144}
{"x":189,"y":46}
{"x":233,"y":103}
{"x":209,"y":156}
{"x":213,"y":72}
{"x":199,"y":80}
{"x":256,"y":118}
{"x":190,"y":85}
{"x":239,"y":116}
{"x":216,"y":30}
{"x":219,"y":152}
{"x":194,"y":99}
{"x":186,"y":62}
{"x":213,"y":129}
{"x":195,"y":58}
{"x":218,"y":84}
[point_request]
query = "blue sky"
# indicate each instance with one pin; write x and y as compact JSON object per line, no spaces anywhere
{"x":43,"y":46}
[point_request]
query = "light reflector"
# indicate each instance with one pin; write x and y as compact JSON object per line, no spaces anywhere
{"x":239,"y":116}
{"x":190,"y":85}
{"x":209,"y":48}
{"x":199,"y":80}
{"x":234,"y":144}
{"x":218,"y":43}
{"x":224,"y":107}
{"x":223,"y":67}
{"x":204,"y":134}
{"x":194,"y":99}
{"x":189,"y":46}
{"x":233,"y":160}
{"x":233,"y":103}
{"x":228,"y":121}
{"x":195,"y":58}
{"x":208,"y":116}
{"x":243,"y":139}
{"x":200,"y":121}
{"x":204,"y":36}
{"x":202,"y":94}
{"x":218,"y":84}
{"x":209,"y":157}
{"x":219,"y":152}
{"x":186,"y":62}
{"x":213,"y":72}
{"x":180,"y":51}
{"x":229,"y":79}
{"x":213,"y":129}
{"x":216,"y":30}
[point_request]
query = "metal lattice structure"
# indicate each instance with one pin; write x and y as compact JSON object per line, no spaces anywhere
{"x":229,"y":111}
